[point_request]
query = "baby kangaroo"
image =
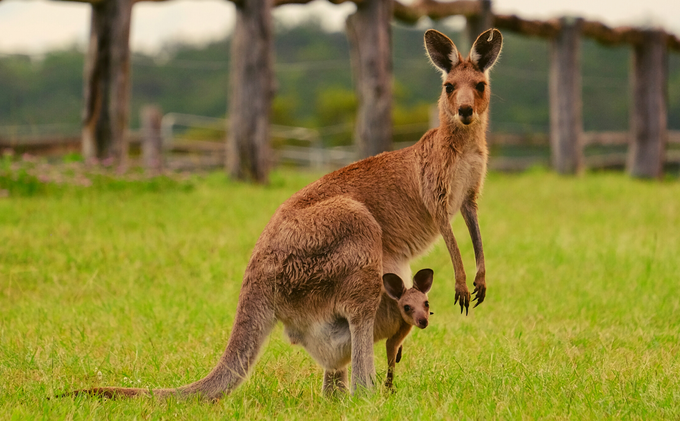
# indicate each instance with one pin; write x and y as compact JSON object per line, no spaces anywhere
{"x":318,"y":265}
{"x":414,"y":310}
{"x":400,"y":309}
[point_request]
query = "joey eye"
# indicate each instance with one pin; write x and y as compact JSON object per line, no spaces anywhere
{"x":449,"y":88}
{"x":427,"y":304}
{"x":407,"y":308}
{"x":480,"y":87}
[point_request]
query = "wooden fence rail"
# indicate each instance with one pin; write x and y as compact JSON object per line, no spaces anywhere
{"x":181,"y":153}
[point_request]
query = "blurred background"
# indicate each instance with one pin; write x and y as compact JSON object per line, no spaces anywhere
{"x":180,"y":61}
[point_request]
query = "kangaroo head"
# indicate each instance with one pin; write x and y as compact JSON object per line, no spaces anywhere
{"x":465,"y":90}
{"x":412,"y":302}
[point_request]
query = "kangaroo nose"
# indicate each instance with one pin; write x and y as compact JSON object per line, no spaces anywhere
{"x":422,"y":323}
{"x":465,"y":111}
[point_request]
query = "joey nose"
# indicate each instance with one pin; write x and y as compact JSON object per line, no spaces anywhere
{"x":422,"y":323}
{"x":465,"y":111}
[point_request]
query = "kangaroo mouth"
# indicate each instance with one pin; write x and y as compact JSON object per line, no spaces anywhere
{"x":466,"y":120}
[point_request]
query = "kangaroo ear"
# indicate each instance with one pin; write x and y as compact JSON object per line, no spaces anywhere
{"x":393,"y":285}
{"x":441,"y":50}
{"x":423,"y":280}
{"x":486,"y":49}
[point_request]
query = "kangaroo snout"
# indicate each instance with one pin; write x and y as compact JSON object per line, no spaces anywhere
{"x":465,"y":113}
{"x":422,"y":323}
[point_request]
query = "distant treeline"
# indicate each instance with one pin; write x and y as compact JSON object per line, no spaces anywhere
{"x":314,"y":83}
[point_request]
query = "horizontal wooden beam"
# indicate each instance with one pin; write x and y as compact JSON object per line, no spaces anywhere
{"x":434,"y":9}
{"x":83,"y":1}
{"x":545,"y":29}
{"x":284,"y":2}
{"x":590,"y":29}
{"x":102,"y":1}
{"x":612,"y":36}
{"x":550,"y":28}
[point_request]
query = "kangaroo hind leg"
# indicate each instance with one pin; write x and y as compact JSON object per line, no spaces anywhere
{"x":334,"y":381}
{"x":362,"y":308}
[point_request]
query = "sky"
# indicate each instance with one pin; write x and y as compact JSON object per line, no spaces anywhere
{"x":36,"y":26}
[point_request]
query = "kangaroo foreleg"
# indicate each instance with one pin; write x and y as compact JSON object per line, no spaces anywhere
{"x":393,"y":348}
{"x":462,"y":292}
{"x":469,"y":212}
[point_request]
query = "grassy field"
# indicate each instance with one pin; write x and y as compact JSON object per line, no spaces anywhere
{"x":136,"y":285}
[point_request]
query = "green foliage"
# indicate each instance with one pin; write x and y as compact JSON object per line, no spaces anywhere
{"x":20,"y":183}
{"x":408,"y":112}
{"x":519,"y":86}
{"x":606,"y":87}
{"x":73,"y":157}
{"x":105,"y":287}
{"x":336,"y":105}
{"x":203,"y":133}
{"x":16,"y":181}
{"x":283,"y":109}
{"x":42,"y":92}
{"x":30,"y":176}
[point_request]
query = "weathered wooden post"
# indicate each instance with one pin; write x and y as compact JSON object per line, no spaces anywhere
{"x":480,"y":22}
{"x":107,"y":83}
{"x":369,"y":34}
{"x":566,"y":123}
{"x":152,"y":140}
{"x":251,"y":87}
{"x":649,"y":115}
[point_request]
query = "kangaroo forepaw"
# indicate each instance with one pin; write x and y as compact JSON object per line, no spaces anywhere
{"x":479,"y":292}
{"x":462,"y":296}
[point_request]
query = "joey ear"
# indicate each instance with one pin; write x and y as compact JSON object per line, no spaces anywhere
{"x":423,"y":280}
{"x":441,"y":50}
{"x":486,"y":49}
{"x":393,"y":285}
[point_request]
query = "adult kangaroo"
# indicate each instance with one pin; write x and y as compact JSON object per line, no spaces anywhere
{"x":321,"y":258}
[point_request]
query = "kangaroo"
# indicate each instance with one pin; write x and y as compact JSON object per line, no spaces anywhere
{"x":412,"y":309}
{"x":400,"y":309}
{"x":320,"y":259}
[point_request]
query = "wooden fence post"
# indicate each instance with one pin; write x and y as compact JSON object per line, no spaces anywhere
{"x":369,"y":34}
{"x":251,"y":87}
{"x":152,"y":141}
{"x":566,"y":123}
{"x":480,"y":23}
{"x":107,"y":83}
{"x":649,"y":115}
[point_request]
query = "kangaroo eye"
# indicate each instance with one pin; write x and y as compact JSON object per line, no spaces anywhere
{"x":427,"y":304}
{"x":407,"y":308}
{"x":480,"y":87}
{"x":449,"y":88}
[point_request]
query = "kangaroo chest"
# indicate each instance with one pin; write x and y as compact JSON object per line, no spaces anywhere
{"x":467,"y":175}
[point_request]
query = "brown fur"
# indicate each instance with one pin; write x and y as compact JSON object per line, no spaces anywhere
{"x":319,"y":262}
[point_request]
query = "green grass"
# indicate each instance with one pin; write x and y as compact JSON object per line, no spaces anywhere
{"x":138,"y":286}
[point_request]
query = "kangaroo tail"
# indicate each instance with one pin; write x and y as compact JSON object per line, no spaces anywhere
{"x":255,"y":319}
